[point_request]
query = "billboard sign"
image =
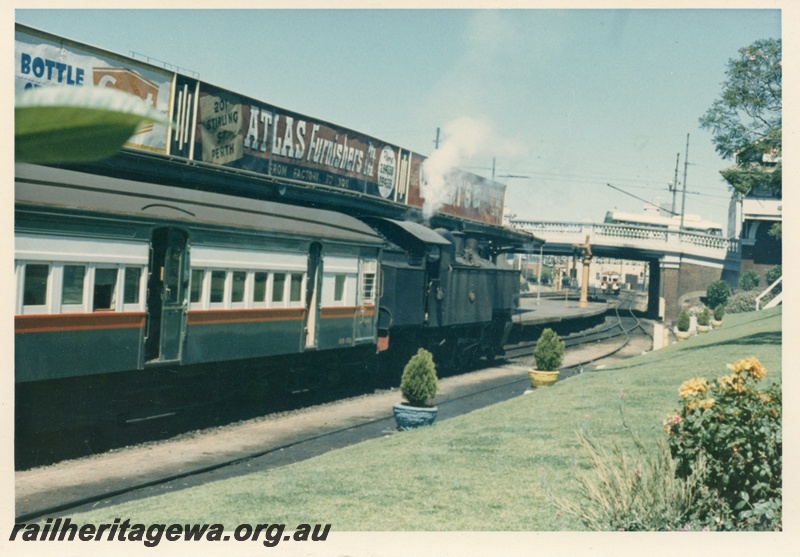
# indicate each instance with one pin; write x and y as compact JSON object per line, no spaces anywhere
{"x":43,"y":60}
{"x":240,"y":132}
{"x":223,"y":128}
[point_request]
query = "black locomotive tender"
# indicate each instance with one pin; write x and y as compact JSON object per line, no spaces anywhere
{"x":165,"y":275}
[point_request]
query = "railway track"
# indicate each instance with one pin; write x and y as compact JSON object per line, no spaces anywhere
{"x":610,"y":338}
{"x":622,"y":324}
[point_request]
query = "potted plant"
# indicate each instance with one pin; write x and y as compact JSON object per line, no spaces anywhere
{"x":719,"y":312}
{"x":418,"y":385}
{"x":703,"y":321}
{"x":682,"y":332}
{"x":549,"y":355}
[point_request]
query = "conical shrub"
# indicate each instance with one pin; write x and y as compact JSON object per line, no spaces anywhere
{"x":419,"y":382}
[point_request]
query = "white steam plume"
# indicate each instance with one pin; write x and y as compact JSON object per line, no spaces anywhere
{"x":462,"y":139}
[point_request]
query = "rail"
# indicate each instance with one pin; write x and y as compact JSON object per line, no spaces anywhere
{"x":647,"y":237}
{"x":595,"y":335}
{"x":773,"y":302}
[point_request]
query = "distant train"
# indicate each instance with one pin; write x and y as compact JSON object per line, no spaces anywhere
{"x":133,"y":298}
{"x":609,"y":283}
{"x":691,"y":223}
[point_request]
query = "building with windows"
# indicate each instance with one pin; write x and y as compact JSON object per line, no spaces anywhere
{"x":751,"y":220}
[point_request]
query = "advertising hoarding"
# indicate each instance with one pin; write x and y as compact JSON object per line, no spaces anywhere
{"x":219,"y":127}
{"x":42,"y":60}
{"x":240,"y":132}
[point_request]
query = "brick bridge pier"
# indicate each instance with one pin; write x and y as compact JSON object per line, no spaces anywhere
{"x":681,"y":264}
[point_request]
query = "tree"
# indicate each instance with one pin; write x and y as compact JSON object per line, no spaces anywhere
{"x":746,"y":119}
{"x":748,"y":280}
{"x":717,"y":293}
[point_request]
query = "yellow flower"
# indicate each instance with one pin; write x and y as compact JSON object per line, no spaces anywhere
{"x":765,"y":398}
{"x":732,"y":382}
{"x":692,"y":387}
{"x":707,"y":403}
{"x":704,"y":403}
{"x":750,"y":366}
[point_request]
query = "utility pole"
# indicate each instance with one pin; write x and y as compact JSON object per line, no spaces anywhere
{"x":685,"y":169}
{"x":674,"y":187}
{"x":539,"y":274}
{"x":437,"y":138}
{"x":586,"y":252}
{"x":493,"y":165}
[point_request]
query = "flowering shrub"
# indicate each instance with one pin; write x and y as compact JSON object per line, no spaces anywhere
{"x":744,"y":301}
{"x":732,"y":430}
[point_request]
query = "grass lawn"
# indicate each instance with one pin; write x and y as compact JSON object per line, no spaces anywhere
{"x":488,"y":470}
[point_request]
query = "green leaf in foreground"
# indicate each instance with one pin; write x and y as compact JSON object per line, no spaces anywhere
{"x":76,"y":124}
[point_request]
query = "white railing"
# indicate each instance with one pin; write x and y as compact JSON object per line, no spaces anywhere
{"x":774,"y":301}
{"x":567,"y":232}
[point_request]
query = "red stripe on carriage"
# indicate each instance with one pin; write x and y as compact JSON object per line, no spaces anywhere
{"x":346,"y":311}
{"x":217,"y":316}
{"x":45,"y":323}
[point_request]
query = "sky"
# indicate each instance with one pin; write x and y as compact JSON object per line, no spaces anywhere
{"x":555,"y":103}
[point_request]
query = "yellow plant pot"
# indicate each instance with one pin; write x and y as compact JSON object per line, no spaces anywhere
{"x":542,"y":378}
{"x":682,"y":335}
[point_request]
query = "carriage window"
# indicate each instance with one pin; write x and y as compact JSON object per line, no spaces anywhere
{"x":277,"y":287}
{"x":72,"y":288}
{"x":237,"y":290}
{"x":35,"y":289}
{"x":260,"y":287}
{"x":338,"y":288}
{"x":368,"y":289}
{"x":196,"y":291}
{"x":105,"y":286}
{"x":133,"y":278}
{"x":296,"y":287}
{"x":217,"y":286}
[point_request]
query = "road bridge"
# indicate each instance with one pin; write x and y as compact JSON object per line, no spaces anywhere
{"x":681,"y":264}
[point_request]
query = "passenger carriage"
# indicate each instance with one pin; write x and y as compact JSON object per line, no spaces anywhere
{"x":150,"y":282}
{"x":190,"y":266}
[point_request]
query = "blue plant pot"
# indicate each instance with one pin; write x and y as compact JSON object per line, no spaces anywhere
{"x":409,"y":417}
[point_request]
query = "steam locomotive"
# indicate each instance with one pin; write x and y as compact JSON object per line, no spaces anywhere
{"x":130,"y":293}
{"x":241,"y":247}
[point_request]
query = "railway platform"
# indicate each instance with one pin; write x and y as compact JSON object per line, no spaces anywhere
{"x":554,"y":309}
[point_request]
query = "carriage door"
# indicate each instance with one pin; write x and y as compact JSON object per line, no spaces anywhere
{"x":367,"y":295}
{"x":167,"y":288}
{"x":313,"y":281}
